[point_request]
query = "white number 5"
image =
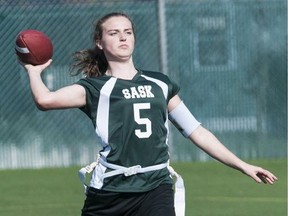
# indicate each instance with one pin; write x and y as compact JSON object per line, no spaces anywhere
{"x":142,"y":121}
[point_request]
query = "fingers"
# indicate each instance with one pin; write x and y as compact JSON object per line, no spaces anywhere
{"x":265,"y":177}
{"x":262,"y":178}
{"x":47,"y":63}
{"x":35,"y":67}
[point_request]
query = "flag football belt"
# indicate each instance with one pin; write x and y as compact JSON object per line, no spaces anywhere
{"x":179,"y":196}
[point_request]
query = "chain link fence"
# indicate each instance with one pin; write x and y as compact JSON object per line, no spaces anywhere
{"x":229,"y":57}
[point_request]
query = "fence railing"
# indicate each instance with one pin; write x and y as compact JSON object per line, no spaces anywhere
{"x":229,"y":57}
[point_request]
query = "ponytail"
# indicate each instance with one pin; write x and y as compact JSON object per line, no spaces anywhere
{"x":90,"y":62}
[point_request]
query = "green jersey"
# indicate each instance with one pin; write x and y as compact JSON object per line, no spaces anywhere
{"x":130,"y":117}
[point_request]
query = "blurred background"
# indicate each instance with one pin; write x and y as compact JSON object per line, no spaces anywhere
{"x":228,"y":56}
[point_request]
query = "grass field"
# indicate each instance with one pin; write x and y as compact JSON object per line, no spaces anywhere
{"x":211,"y":189}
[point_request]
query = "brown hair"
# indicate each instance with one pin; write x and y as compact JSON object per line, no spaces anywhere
{"x":92,"y":62}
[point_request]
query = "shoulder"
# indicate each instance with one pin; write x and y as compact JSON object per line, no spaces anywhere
{"x":92,"y":81}
{"x":155,"y":75}
{"x":169,"y":87}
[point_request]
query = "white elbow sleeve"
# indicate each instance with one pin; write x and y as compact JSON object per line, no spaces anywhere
{"x":183,"y":119}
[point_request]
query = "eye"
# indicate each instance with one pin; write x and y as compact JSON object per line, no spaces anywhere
{"x":112,"y":33}
{"x":129,"y":32}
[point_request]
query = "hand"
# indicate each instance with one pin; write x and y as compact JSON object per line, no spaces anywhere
{"x":35,"y":68}
{"x":259,"y":174}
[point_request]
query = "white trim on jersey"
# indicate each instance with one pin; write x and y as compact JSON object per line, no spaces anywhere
{"x":164,"y":88}
{"x":102,"y":129}
{"x":102,"y":120}
{"x":162,"y":85}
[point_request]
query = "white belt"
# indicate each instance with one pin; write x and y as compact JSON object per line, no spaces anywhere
{"x":128,"y":171}
{"x":179,"y":196}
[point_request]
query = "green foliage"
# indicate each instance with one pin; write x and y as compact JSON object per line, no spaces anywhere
{"x":211,"y":189}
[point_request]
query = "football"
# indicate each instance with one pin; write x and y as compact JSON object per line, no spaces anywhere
{"x":33,"y":47}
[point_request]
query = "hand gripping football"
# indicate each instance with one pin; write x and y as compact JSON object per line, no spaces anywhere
{"x":33,"y":47}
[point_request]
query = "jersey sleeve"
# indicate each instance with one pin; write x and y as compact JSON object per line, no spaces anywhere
{"x":91,"y":94}
{"x":173,"y":89}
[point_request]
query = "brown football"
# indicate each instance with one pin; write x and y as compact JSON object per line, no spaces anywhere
{"x":33,"y":47}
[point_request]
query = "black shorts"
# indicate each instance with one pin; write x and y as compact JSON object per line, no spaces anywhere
{"x":157,"y":202}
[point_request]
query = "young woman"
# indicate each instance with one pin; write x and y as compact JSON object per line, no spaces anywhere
{"x":130,"y":109}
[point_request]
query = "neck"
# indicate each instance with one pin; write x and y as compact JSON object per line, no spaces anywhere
{"x":122,"y":70}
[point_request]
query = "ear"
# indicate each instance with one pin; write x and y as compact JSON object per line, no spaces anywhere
{"x":98,"y":44}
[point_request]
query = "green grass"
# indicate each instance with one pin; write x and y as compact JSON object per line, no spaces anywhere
{"x":211,"y":189}
{"x":215,"y":190}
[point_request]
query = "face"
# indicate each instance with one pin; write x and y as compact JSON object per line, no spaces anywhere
{"x":118,"y":39}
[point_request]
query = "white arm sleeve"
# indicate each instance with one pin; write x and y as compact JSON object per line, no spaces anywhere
{"x":183,"y":119}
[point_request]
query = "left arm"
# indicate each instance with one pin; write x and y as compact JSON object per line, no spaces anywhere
{"x":206,"y":141}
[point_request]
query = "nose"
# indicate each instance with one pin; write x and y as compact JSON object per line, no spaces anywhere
{"x":122,"y":37}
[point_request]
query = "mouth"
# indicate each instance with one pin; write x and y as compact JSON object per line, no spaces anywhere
{"x":124,"y":46}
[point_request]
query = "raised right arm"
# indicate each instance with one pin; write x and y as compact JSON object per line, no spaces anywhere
{"x":72,"y":96}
